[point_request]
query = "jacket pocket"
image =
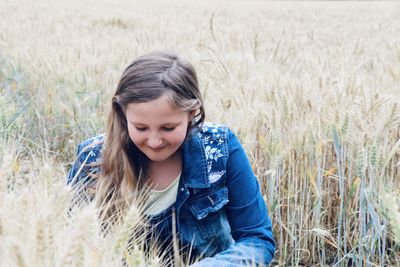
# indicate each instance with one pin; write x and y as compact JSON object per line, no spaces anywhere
{"x":213,"y":202}
{"x":208,"y":212}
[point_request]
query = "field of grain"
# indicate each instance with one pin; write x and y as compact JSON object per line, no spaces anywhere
{"x":311,"y":88}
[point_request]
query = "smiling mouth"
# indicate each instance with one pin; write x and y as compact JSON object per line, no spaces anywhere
{"x":157,"y":149}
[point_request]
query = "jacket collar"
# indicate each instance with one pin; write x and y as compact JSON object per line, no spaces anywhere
{"x":194,"y":162}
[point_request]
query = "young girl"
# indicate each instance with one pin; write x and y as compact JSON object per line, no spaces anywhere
{"x":196,"y":172}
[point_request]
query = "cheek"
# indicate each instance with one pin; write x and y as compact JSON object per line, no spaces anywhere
{"x":177,"y":138}
{"x":135,"y":136}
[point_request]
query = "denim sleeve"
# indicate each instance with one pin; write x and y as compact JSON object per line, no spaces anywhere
{"x":247,"y":214}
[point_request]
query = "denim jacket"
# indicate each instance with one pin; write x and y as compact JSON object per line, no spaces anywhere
{"x":219,"y":208}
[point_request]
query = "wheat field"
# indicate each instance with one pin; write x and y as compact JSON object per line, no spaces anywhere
{"x":311,"y":88}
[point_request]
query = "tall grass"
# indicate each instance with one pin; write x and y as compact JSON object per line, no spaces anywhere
{"x":311,"y":88}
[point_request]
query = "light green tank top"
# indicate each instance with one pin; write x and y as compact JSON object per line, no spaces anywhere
{"x":159,"y":200}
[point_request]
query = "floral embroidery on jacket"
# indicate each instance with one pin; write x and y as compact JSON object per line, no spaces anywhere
{"x":213,"y":143}
{"x":213,"y":153}
{"x":215,"y":176}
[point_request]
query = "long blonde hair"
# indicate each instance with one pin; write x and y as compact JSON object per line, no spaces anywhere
{"x":124,"y":167}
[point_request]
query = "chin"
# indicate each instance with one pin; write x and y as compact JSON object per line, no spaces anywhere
{"x":155,"y":157}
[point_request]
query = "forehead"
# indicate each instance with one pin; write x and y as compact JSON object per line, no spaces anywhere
{"x":160,"y":109}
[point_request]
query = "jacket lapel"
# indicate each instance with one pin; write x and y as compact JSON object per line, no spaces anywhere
{"x":194,"y":162}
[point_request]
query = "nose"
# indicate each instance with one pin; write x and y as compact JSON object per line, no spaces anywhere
{"x":155,"y":142}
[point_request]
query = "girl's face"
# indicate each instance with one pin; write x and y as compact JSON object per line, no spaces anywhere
{"x":157,"y":128}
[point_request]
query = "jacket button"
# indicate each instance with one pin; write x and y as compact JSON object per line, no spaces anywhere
{"x":182,"y":189}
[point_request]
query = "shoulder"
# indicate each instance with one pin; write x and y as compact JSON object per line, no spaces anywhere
{"x":88,"y":155}
{"x":215,"y":139}
{"x":218,"y":138}
{"x":89,"y":150}
{"x":91,"y":145}
{"x":216,"y":130}
{"x":212,"y":132}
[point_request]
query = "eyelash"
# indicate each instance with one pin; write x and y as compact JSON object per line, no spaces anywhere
{"x":167,"y":129}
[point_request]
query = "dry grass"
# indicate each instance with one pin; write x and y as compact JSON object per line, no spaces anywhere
{"x":311,"y":88}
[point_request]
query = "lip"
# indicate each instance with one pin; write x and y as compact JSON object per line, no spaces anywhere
{"x":157,"y":149}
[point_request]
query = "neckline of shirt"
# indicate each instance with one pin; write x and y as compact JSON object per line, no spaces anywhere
{"x":155,"y":191}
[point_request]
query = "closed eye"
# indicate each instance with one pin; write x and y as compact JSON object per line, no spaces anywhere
{"x":141,"y":129}
{"x":167,"y":129}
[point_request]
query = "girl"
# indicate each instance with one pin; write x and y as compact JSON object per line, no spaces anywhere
{"x":195,"y":172}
